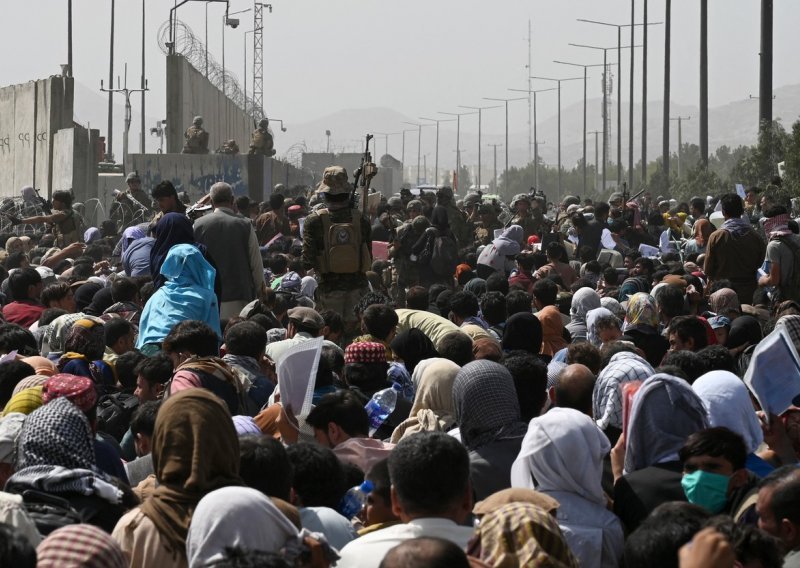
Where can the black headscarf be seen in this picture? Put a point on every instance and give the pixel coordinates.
(439, 218)
(172, 229)
(85, 293)
(413, 346)
(744, 329)
(523, 331)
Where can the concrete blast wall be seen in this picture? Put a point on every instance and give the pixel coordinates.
(30, 116)
(75, 161)
(254, 176)
(190, 94)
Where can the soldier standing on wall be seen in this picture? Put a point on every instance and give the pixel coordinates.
(261, 142)
(337, 244)
(196, 138)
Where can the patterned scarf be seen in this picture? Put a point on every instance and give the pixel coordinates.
(736, 226)
(777, 226)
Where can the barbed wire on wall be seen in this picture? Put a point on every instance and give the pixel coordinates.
(193, 50)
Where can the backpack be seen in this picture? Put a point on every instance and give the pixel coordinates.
(50, 512)
(114, 412)
(445, 255)
(344, 248)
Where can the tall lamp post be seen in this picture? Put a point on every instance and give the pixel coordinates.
(494, 146)
(458, 116)
(585, 67)
(437, 121)
(386, 140)
(403, 158)
(558, 81)
(506, 101)
(535, 132)
(480, 114)
(419, 146)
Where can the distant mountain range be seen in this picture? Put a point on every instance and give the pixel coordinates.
(733, 124)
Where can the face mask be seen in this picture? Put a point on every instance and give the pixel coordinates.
(708, 490)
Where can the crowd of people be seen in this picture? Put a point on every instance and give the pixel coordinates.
(506, 385)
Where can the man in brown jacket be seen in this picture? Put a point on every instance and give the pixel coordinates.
(735, 251)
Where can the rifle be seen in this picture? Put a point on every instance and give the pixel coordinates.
(364, 174)
(45, 204)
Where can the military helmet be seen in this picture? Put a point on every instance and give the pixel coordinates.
(334, 181)
(520, 197)
(414, 205)
(263, 123)
(445, 193)
(395, 203)
(615, 197)
(472, 199)
(133, 176)
(570, 200)
(198, 120)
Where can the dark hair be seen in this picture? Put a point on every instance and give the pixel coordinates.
(115, 328)
(343, 409)
(369, 299)
(545, 291)
(318, 478)
(670, 301)
(124, 290)
(732, 205)
(578, 220)
(276, 201)
(493, 307)
(193, 336)
(49, 315)
(427, 551)
(497, 282)
(156, 369)
(15, 548)
(380, 321)
(143, 420)
(556, 251)
(64, 197)
(656, 542)
(20, 280)
(692, 364)
(443, 302)
(525, 261)
(717, 358)
(125, 368)
(54, 292)
(333, 320)
(164, 189)
(429, 472)
(13, 336)
(785, 485)
(698, 203)
(464, 304)
(278, 263)
(381, 483)
(690, 327)
(243, 205)
(585, 354)
(749, 543)
(611, 349)
(776, 210)
(417, 298)
(237, 557)
(246, 338)
(645, 263)
(11, 373)
(718, 442)
(602, 208)
(456, 346)
(264, 465)
(518, 301)
(530, 382)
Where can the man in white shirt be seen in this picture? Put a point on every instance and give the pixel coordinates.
(431, 493)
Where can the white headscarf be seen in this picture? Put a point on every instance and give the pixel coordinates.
(728, 404)
(591, 319)
(236, 517)
(607, 396)
(563, 450)
(506, 245)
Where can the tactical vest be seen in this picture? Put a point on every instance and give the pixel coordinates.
(344, 250)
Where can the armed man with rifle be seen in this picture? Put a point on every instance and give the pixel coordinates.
(337, 241)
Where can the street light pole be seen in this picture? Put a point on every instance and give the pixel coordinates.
(680, 120)
(386, 140)
(596, 157)
(506, 101)
(494, 146)
(458, 116)
(584, 109)
(630, 106)
(535, 132)
(558, 81)
(480, 112)
(437, 121)
(619, 91)
(403, 158)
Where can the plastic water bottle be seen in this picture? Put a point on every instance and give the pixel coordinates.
(354, 500)
(380, 406)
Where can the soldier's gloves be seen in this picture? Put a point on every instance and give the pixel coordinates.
(370, 170)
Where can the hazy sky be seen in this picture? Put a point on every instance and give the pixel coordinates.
(416, 57)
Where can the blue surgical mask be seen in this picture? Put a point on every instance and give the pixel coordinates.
(708, 490)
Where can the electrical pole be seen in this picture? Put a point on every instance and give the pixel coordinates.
(535, 132)
(458, 116)
(704, 83)
(765, 71)
(143, 82)
(69, 37)
(127, 93)
(437, 121)
(506, 101)
(665, 119)
(630, 104)
(644, 95)
(680, 120)
(529, 96)
(110, 141)
(596, 158)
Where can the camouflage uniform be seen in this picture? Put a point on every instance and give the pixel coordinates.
(196, 138)
(533, 220)
(484, 233)
(230, 148)
(338, 292)
(463, 230)
(261, 142)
